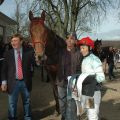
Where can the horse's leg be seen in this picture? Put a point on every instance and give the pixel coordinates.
(52, 77)
(46, 73)
(55, 92)
(42, 71)
(48, 79)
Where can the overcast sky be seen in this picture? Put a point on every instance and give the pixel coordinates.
(109, 28)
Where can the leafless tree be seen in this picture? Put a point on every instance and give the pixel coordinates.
(65, 16)
(21, 17)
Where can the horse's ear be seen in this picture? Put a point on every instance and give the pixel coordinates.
(30, 15)
(43, 15)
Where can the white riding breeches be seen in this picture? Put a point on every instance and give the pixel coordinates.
(93, 114)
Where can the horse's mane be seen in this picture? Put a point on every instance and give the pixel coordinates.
(54, 45)
(55, 39)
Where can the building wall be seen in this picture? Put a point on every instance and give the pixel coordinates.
(5, 23)
(3, 35)
(113, 43)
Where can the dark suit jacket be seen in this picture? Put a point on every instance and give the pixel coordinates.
(9, 69)
(73, 63)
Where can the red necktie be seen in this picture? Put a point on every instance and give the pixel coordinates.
(19, 71)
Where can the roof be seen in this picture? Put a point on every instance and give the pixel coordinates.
(7, 19)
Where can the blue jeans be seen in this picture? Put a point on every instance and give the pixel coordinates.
(67, 107)
(71, 110)
(20, 87)
(62, 97)
(110, 70)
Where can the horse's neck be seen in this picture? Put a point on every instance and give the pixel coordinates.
(54, 45)
(51, 49)
(52, 54)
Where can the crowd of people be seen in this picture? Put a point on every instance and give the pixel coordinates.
(79, 77)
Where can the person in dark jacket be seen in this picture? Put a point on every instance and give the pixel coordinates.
(17, 69)
(110, 61)
(69, 61)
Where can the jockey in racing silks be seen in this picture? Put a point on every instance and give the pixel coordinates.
(91, 65)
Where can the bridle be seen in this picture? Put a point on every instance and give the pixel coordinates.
(42, 43)
(37, 42)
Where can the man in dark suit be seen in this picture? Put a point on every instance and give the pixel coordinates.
(16, 76)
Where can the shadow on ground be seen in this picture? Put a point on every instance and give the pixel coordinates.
(38, 115)
(110, 110)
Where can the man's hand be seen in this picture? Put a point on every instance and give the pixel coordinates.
(4, 87)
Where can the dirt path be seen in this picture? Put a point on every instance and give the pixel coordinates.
(42, 100)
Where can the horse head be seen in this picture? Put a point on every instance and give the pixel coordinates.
(97, 47)
(98, 43)
(38, 33)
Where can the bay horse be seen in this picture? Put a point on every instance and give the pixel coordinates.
(47, 45)
(100, 51)
(97, 48)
